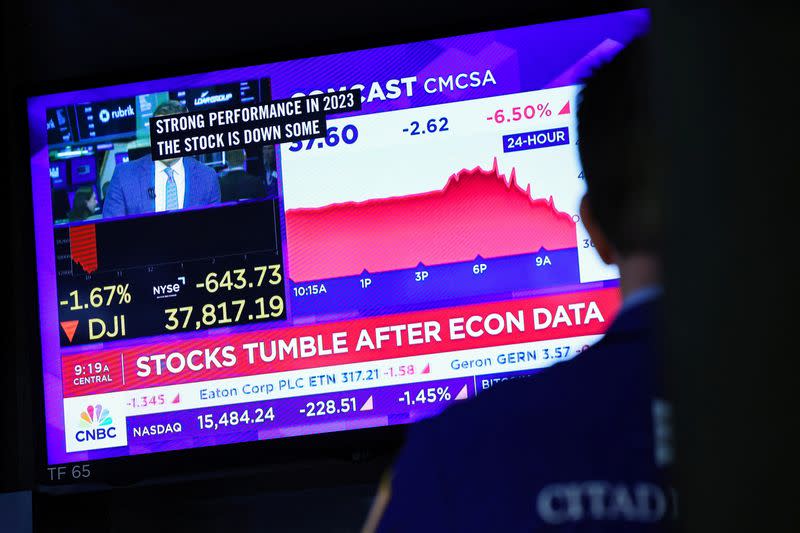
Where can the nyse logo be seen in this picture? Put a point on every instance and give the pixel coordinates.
(169, 290)
(97, 425)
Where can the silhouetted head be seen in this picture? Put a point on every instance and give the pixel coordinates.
(170, 107)
(235, 158)
(622, 207)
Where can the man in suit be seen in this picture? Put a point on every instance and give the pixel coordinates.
(236, 183)
(584, 445)
(147, 186)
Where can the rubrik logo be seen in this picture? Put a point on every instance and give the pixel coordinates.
(120, 112)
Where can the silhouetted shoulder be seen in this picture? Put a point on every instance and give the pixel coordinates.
(589, 418)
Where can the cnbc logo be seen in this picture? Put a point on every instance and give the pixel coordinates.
(96, 424)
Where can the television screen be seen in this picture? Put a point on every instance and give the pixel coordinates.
(416, 251)
(60, 126)
(83, 170)
(219, 95)
(110, 118)
(146, 105)
(58, 174)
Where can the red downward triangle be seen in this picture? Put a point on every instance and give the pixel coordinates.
(565, 109)
(69, 327)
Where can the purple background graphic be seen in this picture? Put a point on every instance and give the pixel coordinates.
(521, 59)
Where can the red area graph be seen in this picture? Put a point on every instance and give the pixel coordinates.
(478, 212)
(83, 246)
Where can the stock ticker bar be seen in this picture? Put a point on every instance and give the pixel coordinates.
(267, 419)
(169, 274)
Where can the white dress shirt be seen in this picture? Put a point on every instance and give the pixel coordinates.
(161, 184)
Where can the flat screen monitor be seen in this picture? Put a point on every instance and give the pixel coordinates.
(146, 105)
(220, 96)
(58, 174)
(60, 125)
(83, 170)
(417, 252)
(106, 119)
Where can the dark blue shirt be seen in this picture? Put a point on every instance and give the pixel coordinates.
(584, 445)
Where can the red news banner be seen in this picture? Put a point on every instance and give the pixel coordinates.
(369, 339)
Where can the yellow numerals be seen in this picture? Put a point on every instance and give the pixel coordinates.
(233, 312)
(172, 317)
(275, 307)
(275, 274)
(237, 279)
